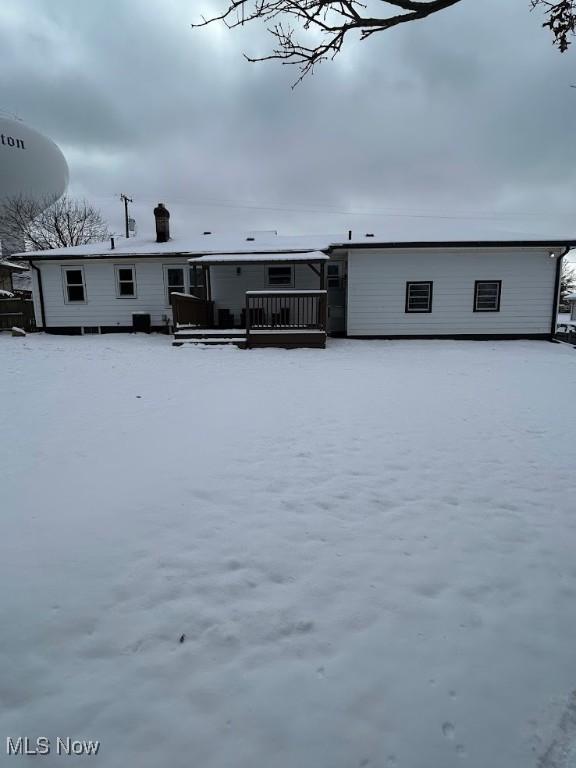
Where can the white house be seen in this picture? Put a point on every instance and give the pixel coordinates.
(270, 289)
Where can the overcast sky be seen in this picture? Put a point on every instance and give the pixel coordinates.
(468, 114)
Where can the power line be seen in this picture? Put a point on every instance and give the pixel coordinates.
(328, 209)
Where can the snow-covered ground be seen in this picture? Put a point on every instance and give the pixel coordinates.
(369, 552)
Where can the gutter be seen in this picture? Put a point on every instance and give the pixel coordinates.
(40, 294)
(356, 245)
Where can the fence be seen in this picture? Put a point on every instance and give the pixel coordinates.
(17, 312)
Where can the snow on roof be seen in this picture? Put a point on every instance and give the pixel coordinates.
(570, 297)
(193, 245)
(271, 256)
(403, 232)
(11, 265)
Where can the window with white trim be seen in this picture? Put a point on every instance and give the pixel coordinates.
(419, 297)
(74, 285)
(487, 295)
(174, 281)
(125, 282)
(283, 275)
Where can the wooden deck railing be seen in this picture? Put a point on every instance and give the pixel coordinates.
(190, 310)
(286, 311)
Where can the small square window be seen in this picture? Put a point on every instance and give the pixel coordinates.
(487, 295)
(418, 297)
(280, 275)
(126, 282)
(74, 287)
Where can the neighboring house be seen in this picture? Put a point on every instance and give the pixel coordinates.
(15, 309)
(571, 299)
(8, 270)
(293, 290)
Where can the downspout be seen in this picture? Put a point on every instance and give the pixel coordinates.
(556, 298)
(40, 294)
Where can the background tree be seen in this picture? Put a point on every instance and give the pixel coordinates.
(52, 223)
(567, 284)
(334, 19)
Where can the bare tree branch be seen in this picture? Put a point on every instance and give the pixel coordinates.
(334, 19)
(561, 20)
(51, 223)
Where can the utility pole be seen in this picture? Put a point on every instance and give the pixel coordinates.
(126, 200)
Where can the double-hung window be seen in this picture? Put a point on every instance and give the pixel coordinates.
(487, 295)
(125, 282)
(74, 285)
(280, 275)
(174, 281)
(419, 297)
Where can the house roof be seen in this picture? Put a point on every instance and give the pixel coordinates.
(290, 257)
(12, 266)
(191, 245)
(404, 234)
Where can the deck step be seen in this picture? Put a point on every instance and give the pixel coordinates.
(209, 341)
(216, 334)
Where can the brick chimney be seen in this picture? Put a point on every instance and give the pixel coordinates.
(162, 216)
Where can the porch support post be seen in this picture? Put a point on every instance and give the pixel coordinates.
(323, 276)
(208, 282)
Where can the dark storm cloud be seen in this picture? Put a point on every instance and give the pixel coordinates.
(470, 111)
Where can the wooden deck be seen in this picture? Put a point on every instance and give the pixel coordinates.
(286, 319)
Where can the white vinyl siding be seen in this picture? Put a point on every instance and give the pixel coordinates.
(377, 291)
(102, 307)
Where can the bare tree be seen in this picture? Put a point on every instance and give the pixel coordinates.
(334, 19)
(52, 223)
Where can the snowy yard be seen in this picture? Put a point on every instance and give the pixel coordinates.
(369, 550)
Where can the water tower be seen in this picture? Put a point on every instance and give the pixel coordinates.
(31, 166)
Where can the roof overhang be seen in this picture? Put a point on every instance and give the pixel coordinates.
(12, 266)
(279, 257)
(552, 243)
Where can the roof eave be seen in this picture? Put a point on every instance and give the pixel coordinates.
(455, 244)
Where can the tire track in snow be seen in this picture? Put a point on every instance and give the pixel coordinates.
(562, 751)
